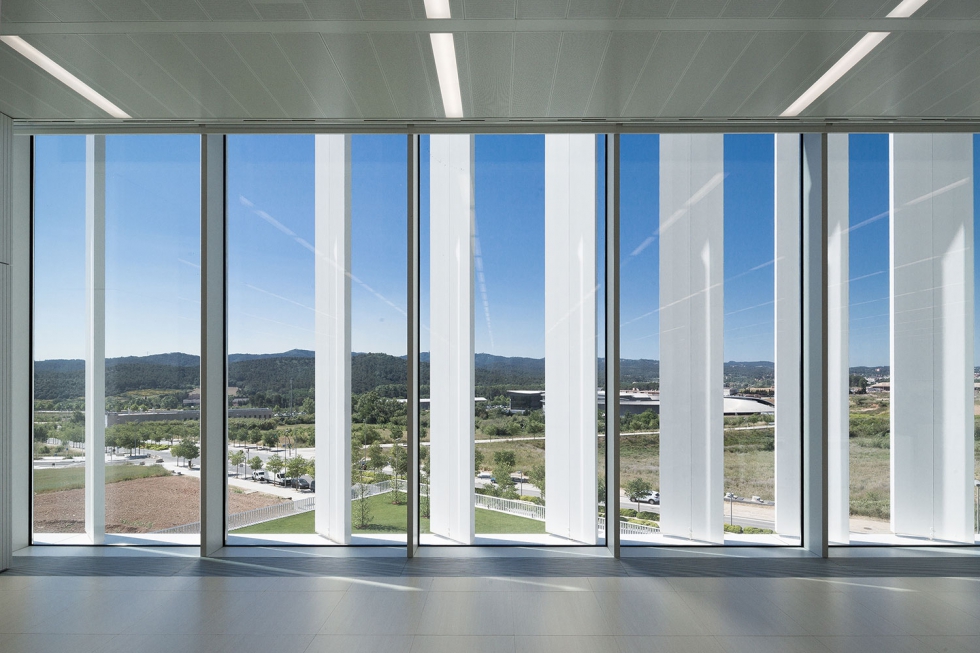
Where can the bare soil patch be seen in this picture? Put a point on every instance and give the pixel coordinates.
(138, 506)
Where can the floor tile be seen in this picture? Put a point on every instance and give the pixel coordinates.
(648, 644)
(376, 613)
(649, 613)
(565, 644)
(169, 643)
(550, 613)
(836, 613)
(467, 613)
(464, 644)
(877, 644)
(951, 644)
(630, 584)
(54, 643)
(771, 645)
(361, 644)
(747, 614)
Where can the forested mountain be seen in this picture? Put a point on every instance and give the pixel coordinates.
(266, 378)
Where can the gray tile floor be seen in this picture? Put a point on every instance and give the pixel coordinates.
(474, 602)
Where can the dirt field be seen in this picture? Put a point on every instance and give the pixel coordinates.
(138, 506)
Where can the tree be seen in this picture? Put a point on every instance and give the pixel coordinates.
(270, 439)
(477, 460)
(275, 464)
(309, 406)
(508, 458)
(191, 451)
(255, 463)
(636, 488)
(503, 466)
(536, 477)
(377, 459)
(296, 467)
(399, 465)
(237, 459)
(254, 436)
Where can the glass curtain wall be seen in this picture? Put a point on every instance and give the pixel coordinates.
(316, 322)
(509, 342)
(116, 339)
(903, 299)
(706, 329)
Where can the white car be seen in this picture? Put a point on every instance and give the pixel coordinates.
(652, 497)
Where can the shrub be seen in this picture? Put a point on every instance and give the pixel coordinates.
(652, 516)
(733, 528)
(627, 512)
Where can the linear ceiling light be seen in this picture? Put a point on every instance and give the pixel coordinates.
(45, 63)
(437, 9)
(860, 50)
(444, 52)
(906, 8)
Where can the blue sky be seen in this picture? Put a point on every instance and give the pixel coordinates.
(153, 245)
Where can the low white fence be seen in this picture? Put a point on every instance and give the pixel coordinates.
(629, 528)
(254, 516)
(510, 506)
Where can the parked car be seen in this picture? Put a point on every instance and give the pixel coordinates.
(258, 475)
(281, 479)
(652, 497)
(301, 483)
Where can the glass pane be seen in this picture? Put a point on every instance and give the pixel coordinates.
(279, 300)
(149, 328)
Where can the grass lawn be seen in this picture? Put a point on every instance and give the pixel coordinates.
(389, 518)
(73, 478)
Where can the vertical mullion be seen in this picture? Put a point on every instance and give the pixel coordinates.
(214, 354)
(6, 319)
(95, 338)
(412, 350)
(612, 343)
(815, 346)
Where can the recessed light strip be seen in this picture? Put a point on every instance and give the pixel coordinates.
(860, 50)
(906, 8)
(435, 9)
(42, 60)
(444, 52)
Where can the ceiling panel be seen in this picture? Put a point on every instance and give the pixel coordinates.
(578, 63)
(407, 70)
(229, 9)
(281, 10)
(860, 8)
(358, 64)
(750, 8)
(950, 9)
(708, 67)
(316, 68)
(621, 67)
(128, 55)
(805, 63)
(27, 88)
(491, 56)
(965, 101)
(535, 61)
(646, 8)
(594, 8)
(177, 9)
(477, 9)
(670, 58)
(542, 8)
(26, 11)
(802, 8)
(171, 54)
(70, 10)
(333, 9)
(872, 82)
(266, 61)
(102, 74)
(386, 9)
(765, 51)
(223, 63)
(935, 76)
(125, 10)
(698, 8)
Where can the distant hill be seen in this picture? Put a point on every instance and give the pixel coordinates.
(267, 377)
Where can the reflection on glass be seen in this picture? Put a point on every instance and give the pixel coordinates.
(295, 204)
(144, 250)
